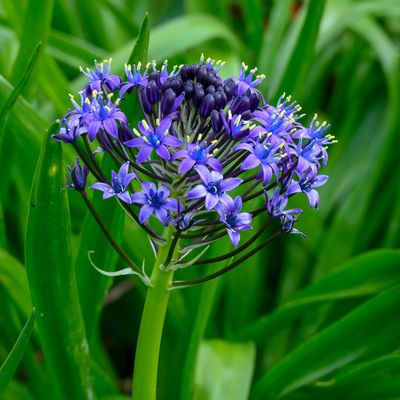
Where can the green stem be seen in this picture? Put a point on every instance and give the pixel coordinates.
(151, 327)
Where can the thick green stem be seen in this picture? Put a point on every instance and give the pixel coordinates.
(151, 327)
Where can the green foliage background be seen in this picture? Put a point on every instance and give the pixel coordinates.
(302, 320)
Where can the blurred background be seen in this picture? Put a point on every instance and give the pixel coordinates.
(339, 58)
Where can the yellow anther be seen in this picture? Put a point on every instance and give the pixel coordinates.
(117, 101)
(136, 132)
(229, 114)
(282, 113)
(148, 65)
(260, 76)
(80, 92)
(282, 145)
(238, 118)
(315, 116)
(200, 136)
(157, 121)
(87, 69)
(145, 124)
(215, 150)
(80, 69)
(214, 141)
(87, 101)
(252, 126)
(93, 108)
(254, 70)
(188, 138)
(107, 108)
(289, 97)
(324, 124)
(111, 94)
(95, 92)
(71, 95)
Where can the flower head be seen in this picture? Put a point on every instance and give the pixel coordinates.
(234, 220)
(119, 184)
(78, 176)
(154, 139)
(213, 187)
(155, 201)
(100, 78)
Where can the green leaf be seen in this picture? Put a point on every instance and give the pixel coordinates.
(297, 65)
(355, 336)
(13, 279)
(36, 29)
(373, 380)
(52, 279)
(8, 105)
(141, 47)
(9, 366)
(364, 275)
(224, 370)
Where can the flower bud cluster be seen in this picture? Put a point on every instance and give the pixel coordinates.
(208, 155)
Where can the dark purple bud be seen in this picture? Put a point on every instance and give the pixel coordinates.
(220, 99)
(78, 176)
(202, 74)
(153, 92)
(229, 88)
(185, 73)
(216, 122)
(254, 101)
(154, 76)
(207, 105)
(124, 133)
(198, 94)
(176, 84)
(193, 71)
(240, 105)
(167, 101)
(188, 89)
(246, 115)
(147, 107)
(210, 89)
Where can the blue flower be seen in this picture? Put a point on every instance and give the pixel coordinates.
(153, 139)
(104, 116)
(263, 153)
(135, 78)
(155, 201)
(234, 220)
(78, 176)
(308, 181)
(101, 78)
(119, 184)
(196, 154)
(69, 134)
(234, 125)
(213, 188)
(246, 82)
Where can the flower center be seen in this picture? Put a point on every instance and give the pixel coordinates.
(214, 188)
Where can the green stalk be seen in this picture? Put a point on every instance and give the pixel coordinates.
(151, 328)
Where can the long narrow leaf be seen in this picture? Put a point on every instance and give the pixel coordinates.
(11, 363)
(52, 279)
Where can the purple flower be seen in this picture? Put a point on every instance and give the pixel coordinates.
(196, 154)
(135, 78)
(104, 116)
(119, 184)
(155, 201)
(234, 220)
(100, 78)
(245, 83)
(80, 112)
(69, 134)
(78, 176)
(157, 139)
(276, 208)
(262, 153)
(213, 188)
(308, 181)
(234, 126)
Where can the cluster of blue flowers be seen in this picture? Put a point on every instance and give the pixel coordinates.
(205, 147)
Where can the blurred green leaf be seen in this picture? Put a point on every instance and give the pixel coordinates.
(373, 380)
(36, 29)
(343, 342)
(23, 79)
(52, 279)
(297, 65)
(141, 47)
(10, 365)
(224, 370)
(364, 275)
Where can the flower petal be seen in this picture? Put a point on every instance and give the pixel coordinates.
(162, 215)
(144, 154)
(211, 201)
(145, 213)
(138, 198)
(197, 192)
(186, 165)
(230, 184)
